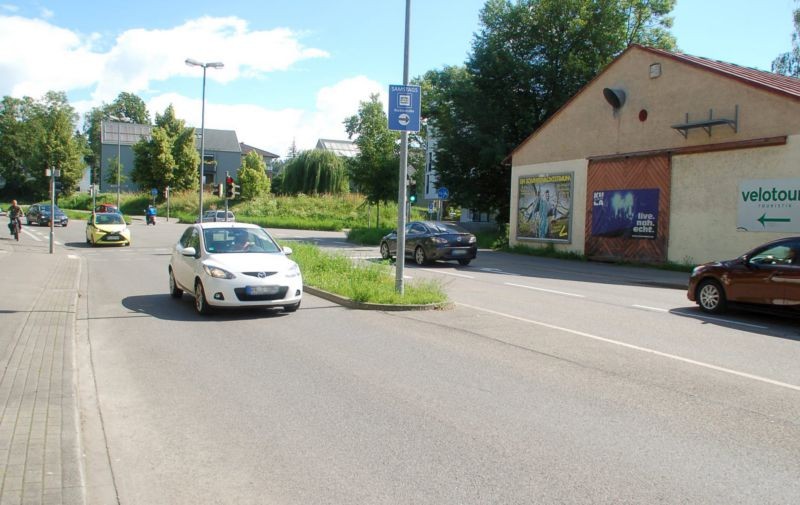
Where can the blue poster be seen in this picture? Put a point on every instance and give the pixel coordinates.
(625, 213)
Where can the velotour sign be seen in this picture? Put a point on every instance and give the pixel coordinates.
(769, 205)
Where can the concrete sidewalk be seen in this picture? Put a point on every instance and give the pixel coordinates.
(40, 448)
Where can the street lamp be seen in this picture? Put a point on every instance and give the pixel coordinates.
(215, 64)
(119, 121)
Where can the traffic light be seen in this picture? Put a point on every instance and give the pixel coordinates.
(229, 191)
(412, 192)
(235, 191)
(220, 190)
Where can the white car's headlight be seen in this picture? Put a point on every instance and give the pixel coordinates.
(293, 271)
(217, 272)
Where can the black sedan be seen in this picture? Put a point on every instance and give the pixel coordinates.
(428, 241)
(39, 213)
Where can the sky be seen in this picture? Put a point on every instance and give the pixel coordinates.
(293, 70)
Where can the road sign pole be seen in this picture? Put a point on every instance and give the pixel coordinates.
(401, 191)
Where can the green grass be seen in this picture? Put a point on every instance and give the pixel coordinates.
(361, 282)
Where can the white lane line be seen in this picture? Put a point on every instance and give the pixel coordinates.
(639, 348)
(645, 307)
(448, 273)
(543, 289)
(31, 235)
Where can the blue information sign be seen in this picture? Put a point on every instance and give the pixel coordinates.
(404, 108)
(154, 192)
(443, 193)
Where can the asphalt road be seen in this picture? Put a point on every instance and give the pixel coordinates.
(550, 382)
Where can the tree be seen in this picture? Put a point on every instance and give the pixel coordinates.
(315, 171)
(374, 170)
(789, 63)
(253, 176)
(169, 158)
(527, 60)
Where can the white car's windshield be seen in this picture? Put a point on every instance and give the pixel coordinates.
(238, 240)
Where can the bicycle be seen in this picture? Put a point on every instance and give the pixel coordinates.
(14, 225)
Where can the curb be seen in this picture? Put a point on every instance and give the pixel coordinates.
(352, 304)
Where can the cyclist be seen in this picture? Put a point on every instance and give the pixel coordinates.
(14, 214)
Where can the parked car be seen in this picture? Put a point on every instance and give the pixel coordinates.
(215, 216)
(106, 207)
(234, 265)
(766, 277)
(428, 241)
(39, 213)
(107, 228)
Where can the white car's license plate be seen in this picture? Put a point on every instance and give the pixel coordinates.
(261, 290)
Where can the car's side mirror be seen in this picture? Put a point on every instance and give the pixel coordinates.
(189, 252)
(286, 250)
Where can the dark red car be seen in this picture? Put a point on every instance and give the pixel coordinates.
(766, 277)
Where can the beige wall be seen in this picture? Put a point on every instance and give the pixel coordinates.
(705, 187)
(589, 127)
(578, 229)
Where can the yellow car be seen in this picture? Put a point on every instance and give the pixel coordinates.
(107, 228)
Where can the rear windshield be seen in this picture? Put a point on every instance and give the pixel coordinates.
(446, 228)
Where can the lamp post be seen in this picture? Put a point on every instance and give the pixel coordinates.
(213, 64)
(119, 121)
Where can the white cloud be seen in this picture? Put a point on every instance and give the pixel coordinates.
(275, 130)
(52, 58)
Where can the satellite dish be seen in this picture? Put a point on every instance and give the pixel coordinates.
(615, 97)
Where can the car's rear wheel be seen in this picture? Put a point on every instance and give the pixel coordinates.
(291, 308)
(419, 256)
(174, 290)
(200, 303)
(464, 262)
(710, 297)
(385, 254)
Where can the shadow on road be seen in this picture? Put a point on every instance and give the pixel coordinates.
(163, 306)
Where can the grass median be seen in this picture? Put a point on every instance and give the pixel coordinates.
(361, 281)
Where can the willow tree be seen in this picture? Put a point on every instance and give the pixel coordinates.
(316, 171)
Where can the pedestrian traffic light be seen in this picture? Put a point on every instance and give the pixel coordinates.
(229, 187)
(412, 192)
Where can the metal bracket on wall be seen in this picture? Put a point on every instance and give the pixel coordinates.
(707, 124)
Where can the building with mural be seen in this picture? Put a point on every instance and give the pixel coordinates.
(663, 157)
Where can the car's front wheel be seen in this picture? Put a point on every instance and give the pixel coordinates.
(174, 290)
(385, 254)
(200, 303)
(710, 297)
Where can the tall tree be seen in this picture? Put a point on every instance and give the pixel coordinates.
(169, 158)
(528, 58)
(789, 63)
(125, 106)
(253, 176)
(374, 170)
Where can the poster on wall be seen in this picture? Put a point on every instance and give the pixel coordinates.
(544, 207)
(625, 213)
(769, 205)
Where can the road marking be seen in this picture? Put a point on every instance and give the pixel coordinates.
(645, 307)
(543, 289)
(638, 348)
(448, 273)
(31, 235)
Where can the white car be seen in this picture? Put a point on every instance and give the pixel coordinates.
(234, 265)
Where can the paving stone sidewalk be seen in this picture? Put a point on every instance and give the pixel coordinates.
(39, 436)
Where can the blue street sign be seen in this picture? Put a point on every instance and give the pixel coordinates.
(404, 108)
(154, 192)
(443, 193)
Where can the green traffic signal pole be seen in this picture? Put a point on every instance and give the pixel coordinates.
(401, 191)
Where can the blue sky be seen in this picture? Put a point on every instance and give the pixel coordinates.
(293, 70)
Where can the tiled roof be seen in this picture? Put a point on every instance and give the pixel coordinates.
(219, 140)
(782, 84)
(246, 149)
